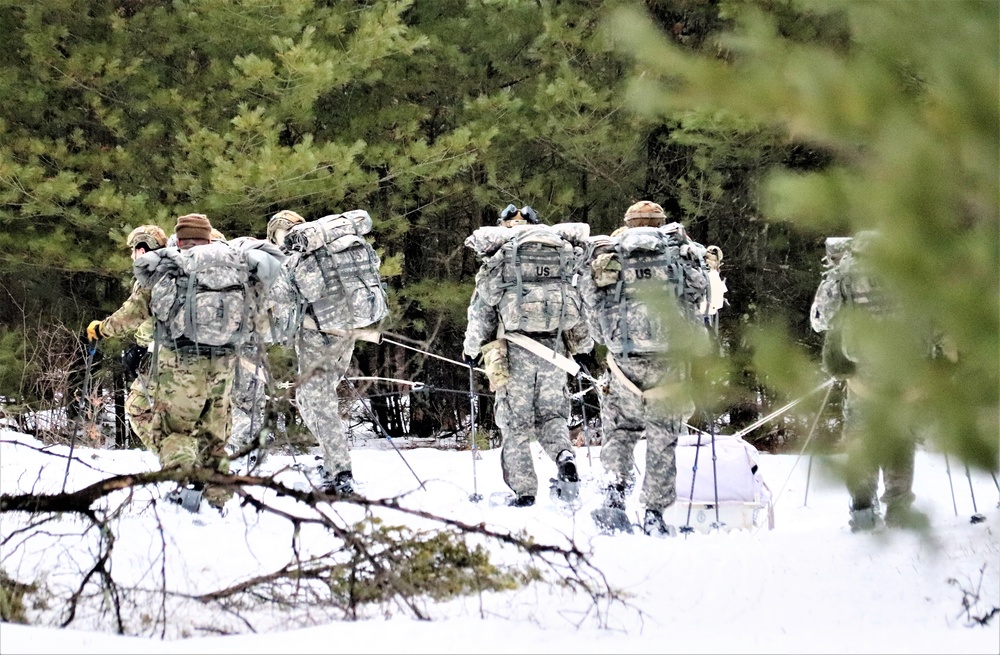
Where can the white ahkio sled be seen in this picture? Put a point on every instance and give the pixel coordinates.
(733, 496)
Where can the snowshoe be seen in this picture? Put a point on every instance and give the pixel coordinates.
(612, 520)
(565, 491)
(565, 487)
(866, 520)
(341, 484)
(508, 499)
(654, 526)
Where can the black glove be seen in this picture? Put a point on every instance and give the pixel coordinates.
(469, 360)
(132, 359)
(587, 361)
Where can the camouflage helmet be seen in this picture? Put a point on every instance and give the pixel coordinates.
(645, 213)
(150, 237)
(282, 222)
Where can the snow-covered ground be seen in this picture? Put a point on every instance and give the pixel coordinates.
(806, 586)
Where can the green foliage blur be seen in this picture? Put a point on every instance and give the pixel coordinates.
(907, 103)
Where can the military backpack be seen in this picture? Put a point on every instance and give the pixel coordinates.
(536, 270)
(632, 270)
(200, 296)
(336, 272)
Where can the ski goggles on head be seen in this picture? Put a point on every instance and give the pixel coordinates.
(510, 212)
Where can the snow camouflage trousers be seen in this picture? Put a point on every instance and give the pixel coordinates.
(322, 361)
(249, 398)
(864, 460)
(191, 421)
(627, 419)
(534, 403)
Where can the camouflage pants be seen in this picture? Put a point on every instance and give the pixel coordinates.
(323, 360)
(191, 410)
(894, 457)
(626, 419)
(534, 403)
(139, 412)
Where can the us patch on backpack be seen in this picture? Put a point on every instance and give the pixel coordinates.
(201, 295)
(336, 271)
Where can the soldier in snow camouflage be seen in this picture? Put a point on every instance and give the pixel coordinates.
(190, 419)
(323, 359)
(849, 286)
(534, 402)
(644, 396)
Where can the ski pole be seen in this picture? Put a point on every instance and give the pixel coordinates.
(378, 424)
(88, 359)
(475, 497)
(976, 516)
(694, 473)
(583, 412)
(826, 398)
(715, 479)
(947, 468)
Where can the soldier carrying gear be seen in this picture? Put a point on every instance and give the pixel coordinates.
(850, 303)
(190, 392)
(526, 294)
(335, 274)
(279, 225)
(645, 213)
(647, 353)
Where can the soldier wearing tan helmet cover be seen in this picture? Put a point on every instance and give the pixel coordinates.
(279, 225)
(138, 412)
(629, 411)
(190, 418)
(323, 360)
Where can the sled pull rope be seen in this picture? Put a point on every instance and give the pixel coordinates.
(829, 387)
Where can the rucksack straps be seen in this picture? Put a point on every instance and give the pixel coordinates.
(541, 350)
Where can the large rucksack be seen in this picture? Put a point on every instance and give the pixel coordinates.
(536, 269)
(336, 271)
(200, 296)
(275, 304)
(828, 299)
(629, 271)
(847, 280)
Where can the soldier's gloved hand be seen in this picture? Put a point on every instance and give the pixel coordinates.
(469, 360)
(94, 331)
(586, 360)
